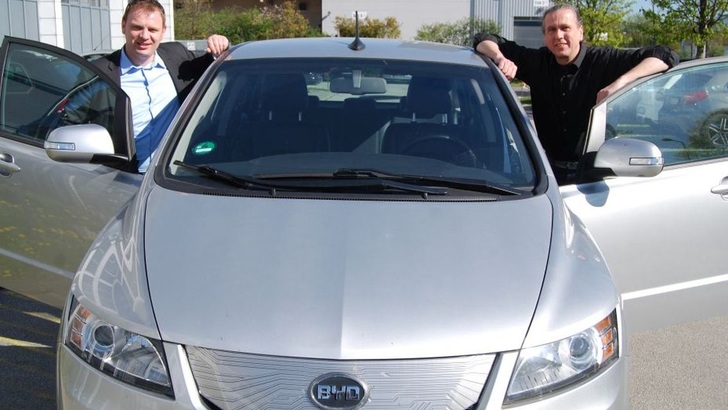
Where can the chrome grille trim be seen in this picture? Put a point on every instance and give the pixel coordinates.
(232, 380)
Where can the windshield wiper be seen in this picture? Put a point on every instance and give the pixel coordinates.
(376, 180)
(247, 182)
(464, 184)
(238, 181)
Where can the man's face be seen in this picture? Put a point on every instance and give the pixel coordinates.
(143, 30)
(562, 34)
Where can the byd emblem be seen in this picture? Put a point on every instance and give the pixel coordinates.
(338, 391)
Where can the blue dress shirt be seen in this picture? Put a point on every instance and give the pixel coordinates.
(154, 103)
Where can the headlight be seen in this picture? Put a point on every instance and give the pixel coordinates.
(121, 354)
(543, 369)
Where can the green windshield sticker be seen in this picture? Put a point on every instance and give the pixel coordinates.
(204, 148)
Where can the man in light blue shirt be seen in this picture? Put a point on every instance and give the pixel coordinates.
(154, 103)
(156, 76)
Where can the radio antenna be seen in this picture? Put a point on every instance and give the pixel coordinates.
(357, 44)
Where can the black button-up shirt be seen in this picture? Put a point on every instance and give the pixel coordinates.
(563, 96)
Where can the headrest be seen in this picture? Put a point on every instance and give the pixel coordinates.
(284, 93)
(359, 104)
(427, 97)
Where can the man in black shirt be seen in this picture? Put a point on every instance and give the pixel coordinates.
(567, 78)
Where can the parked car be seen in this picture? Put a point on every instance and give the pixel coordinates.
(683, 111)
(349, 242)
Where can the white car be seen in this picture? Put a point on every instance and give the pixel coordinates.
(347, 223)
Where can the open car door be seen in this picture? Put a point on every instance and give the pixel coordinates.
(51, 211)
(663, 236)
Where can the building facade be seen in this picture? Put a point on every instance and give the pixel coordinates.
(519, 19)
(92, 25)
(77, 25)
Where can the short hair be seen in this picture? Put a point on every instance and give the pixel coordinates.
(558, 7)
(146, 5)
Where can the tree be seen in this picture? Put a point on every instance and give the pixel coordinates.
(640, 31)
(602, 19)
(387, 28)
(698, 21)
(192, 17)
(288, 22)
(458, 33)
(194, 21)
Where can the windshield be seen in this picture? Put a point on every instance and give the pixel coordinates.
(310, 118)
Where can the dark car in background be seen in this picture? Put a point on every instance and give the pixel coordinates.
(683, 111)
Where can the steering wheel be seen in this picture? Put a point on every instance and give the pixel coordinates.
(442, 147)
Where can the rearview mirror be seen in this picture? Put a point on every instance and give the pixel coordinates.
(364, 85)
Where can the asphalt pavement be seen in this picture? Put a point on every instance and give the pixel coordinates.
(681, 367)
(28, 334)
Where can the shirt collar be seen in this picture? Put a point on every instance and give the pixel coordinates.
(572, 67)
(580, 57)
(125, 65)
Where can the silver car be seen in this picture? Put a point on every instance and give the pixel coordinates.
(340, 223)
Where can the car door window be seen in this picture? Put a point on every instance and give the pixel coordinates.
(684, 113)
(44, 90)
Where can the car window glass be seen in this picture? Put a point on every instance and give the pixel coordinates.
(43, 90)
(316, 116)
(685, 113)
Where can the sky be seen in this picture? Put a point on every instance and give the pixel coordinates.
(642, 4)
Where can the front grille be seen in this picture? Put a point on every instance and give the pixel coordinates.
(243, 381)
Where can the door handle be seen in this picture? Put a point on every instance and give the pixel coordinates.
(722, 188)
(7, 165)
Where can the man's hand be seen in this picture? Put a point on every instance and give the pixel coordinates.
(217, 44)
(491, 50)
(506, 66)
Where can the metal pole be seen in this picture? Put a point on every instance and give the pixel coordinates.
(472, 18)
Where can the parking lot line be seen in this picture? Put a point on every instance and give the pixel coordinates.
(6, 341)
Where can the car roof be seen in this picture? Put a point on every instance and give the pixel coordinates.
(374, 48)
(701, 61)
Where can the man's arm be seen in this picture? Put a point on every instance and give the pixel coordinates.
(490, 49)
(648, 66)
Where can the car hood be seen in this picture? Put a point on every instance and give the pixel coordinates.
(345, 279)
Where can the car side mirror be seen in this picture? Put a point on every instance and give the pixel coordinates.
(78, 143)
(86, 144)
(629, 157)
